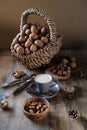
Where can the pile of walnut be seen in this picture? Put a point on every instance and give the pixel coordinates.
(64, 68)
(35, 107)
(31, 38)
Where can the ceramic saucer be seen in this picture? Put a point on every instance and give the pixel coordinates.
(33, 90)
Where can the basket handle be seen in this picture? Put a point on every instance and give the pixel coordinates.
(41, 13)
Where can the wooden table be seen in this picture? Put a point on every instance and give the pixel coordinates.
(59, 118)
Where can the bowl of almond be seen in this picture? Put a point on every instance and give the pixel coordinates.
(36, 108)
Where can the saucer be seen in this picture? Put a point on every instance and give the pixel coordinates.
(33, 90)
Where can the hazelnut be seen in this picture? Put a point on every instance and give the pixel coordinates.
(3, 104)
(18, 74)
(43, 30)
(16, 45)
(27, 32)
(20, 50)
(22, 38)
(44, 39)
(28, 43)
(33, 48)
(27, 51)
(33, 36)
(34, 29)
(25, 26)
(39, 43)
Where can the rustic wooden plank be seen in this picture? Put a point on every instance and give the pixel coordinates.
(58, 119)
(61, 107)
(14, 118)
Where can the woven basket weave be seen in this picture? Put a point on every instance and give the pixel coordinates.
(44, 55)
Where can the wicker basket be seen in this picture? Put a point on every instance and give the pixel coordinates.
(44, 55)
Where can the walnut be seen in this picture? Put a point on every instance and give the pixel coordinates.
(18, 74)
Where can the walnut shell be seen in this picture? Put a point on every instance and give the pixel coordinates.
(16, 45)
(34, 29)
(44, 39)
(20, 50)
(43, 30)
(27, 32)
(39, 43)
(33, 48)
(28, 43)
(25, 26)
(3, 104)
(27, 51)
(33, 36)
(22, 38)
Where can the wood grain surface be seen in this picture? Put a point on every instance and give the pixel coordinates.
(58, 118)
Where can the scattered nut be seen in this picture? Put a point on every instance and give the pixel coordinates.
(18, 74)
(3, 104)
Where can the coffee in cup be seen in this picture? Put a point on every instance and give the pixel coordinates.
(43, 81)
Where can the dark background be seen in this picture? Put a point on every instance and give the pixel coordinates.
(70, 17)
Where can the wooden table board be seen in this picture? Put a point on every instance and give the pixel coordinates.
(58, 119)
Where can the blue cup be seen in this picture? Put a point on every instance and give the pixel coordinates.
(43, 82)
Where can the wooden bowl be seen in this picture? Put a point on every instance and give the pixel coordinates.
(36, 108)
